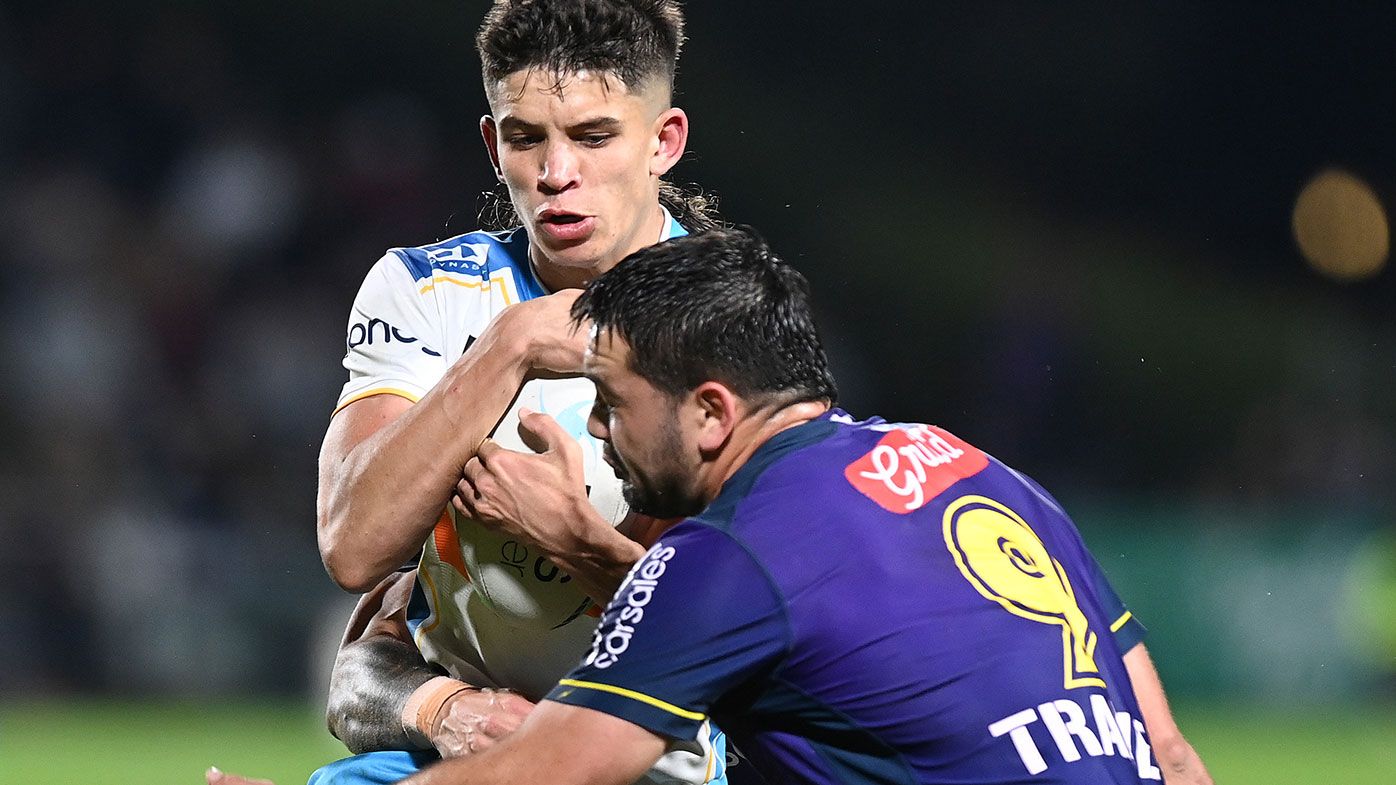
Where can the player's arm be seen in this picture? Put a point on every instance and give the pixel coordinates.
(376, 670)
(384, 696)
(558, 744)
(388, 467)
(1176, 758)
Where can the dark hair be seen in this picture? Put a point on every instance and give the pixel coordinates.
(717, 305)
(634, 39)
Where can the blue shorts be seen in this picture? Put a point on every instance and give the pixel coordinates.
(373, 768)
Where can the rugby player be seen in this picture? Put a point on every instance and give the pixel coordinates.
(442, 338)
(854, 601)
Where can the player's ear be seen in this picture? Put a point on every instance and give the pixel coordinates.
(717, 415)
(671, 139)
(490, 133)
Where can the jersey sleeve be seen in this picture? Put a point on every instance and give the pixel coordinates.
(695, 618)
(393, 341)
(1127, 629)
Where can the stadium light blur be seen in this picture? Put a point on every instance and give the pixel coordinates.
(1341, 226)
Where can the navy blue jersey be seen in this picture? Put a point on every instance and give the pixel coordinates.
(868, 602)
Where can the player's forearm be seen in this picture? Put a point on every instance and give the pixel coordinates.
(1179, 762)
(372, 681)
(600, 561)
(560, 745)
(379, 502)
(1176, 758)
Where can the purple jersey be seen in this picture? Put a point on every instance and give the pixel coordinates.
(868, 602)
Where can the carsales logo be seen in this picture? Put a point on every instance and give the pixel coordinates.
(612, 640)
(911, 464)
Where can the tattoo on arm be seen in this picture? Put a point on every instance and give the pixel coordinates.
(372, 680)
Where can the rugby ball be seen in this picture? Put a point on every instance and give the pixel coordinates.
(510, 576)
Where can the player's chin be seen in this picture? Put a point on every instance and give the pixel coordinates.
(657, 504)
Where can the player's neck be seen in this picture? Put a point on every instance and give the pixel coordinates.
(753, 431)
(556, 277)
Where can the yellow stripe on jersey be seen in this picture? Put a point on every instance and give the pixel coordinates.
(436, 279)
(376, 391)
(637, 696)
(1120, 622)
(500, 277)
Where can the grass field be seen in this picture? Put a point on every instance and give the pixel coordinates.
(111, 743)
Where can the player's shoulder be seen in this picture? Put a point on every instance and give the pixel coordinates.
(835, 465)
(473, 254)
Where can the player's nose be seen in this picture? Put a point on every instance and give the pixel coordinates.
(560, 170)
(596, 425)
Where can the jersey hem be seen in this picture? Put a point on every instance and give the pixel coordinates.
(636, 696)
(372, 391)
(650, 713)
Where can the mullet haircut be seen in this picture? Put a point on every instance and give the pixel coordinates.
(715, 306)
(634, 39)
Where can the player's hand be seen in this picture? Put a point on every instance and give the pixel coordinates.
(215, 777)
(539, 498)
(474, 720)
(554, 346)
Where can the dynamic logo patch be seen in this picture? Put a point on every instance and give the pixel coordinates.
(911, 464)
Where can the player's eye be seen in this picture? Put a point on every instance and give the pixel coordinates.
(595, 140)
(523, 141)
(601, 410)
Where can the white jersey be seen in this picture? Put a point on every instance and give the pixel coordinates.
(487, 609)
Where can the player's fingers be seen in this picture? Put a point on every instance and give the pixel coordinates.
(488, 447)
(463, 504)
(542, 433)
(514, 703)
(216, 777)
(472, 475)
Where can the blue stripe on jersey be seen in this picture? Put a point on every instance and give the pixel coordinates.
(417, 608)
(474, 253)
(672, 228)
(415, 260)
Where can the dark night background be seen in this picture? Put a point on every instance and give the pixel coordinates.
(1061, 231)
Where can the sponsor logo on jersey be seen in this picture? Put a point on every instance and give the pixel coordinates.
(911, 465)
(613, 636)
(1006, 562)
(1106, 732)
(515, 554)
(467, 257)
(377, 331)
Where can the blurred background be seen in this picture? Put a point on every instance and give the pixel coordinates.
(1140, 253)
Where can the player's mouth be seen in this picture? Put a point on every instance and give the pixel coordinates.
(564, 226)
(613, 461)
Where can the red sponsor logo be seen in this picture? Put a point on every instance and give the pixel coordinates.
(911, 465)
